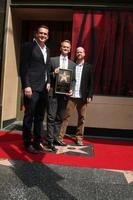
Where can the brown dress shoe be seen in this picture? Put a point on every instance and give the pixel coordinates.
(79, 142)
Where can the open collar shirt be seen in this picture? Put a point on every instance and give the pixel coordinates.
(44, 53)
(76, 92)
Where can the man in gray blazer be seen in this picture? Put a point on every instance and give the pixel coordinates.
(57, 102)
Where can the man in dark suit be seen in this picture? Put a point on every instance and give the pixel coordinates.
(82, 95)
(57, 102)
(34, 66)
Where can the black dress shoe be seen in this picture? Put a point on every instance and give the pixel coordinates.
(31, 149)
(59, 143)
(52, 147)
(42, 148)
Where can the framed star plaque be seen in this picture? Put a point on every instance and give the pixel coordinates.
(63, 81)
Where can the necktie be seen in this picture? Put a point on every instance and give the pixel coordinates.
(64, 63)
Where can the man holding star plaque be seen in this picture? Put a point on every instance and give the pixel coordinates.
(62, 77)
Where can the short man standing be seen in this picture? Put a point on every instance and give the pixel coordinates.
(34, 66)
(82, 95)
(57, 102)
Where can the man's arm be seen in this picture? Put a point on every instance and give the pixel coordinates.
(91, 82)
(73, 80)
(24, 65)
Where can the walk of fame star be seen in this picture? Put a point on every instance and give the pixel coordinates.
(70, 148)
(5, 162)
(127, 174)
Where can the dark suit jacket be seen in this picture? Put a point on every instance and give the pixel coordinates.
(32, 66)
(55, 63)
(86, 86)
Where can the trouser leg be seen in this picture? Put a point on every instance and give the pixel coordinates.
(51, 115)
(69, 110)
(81, 109)
(39, 117)
(30, 105)
(61, 108)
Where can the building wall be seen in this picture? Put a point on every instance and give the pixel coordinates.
(2, 22)
(103, 112)
(108, 112)
(10, 65)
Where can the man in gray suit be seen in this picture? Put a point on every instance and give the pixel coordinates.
(57, 102)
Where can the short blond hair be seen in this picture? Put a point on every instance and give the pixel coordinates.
(67, 41)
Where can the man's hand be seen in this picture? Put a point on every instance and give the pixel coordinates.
(48, 87)
(56, 71)
(70, 93)
(28, 92)
(89, 100)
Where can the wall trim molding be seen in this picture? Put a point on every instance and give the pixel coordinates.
(8, 122)
(79, 4)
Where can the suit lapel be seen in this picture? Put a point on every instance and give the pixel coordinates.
(47, 54)
(83, 72)
(57, 61)
(69, 65)
(39, 52)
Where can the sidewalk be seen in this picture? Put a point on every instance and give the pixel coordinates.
(21, 180)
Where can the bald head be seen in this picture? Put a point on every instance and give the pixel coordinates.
(80, 54)
(80, 49)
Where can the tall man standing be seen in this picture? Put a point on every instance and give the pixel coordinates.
(34, 66)
(57, 102)
(82, 95)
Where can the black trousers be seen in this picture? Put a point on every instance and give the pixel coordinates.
(33, 117)
(55, 113)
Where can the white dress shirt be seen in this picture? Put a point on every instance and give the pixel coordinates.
(78, 74)
(63, 62)
(44, 52)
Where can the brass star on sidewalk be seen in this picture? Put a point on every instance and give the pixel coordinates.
(5, 162)
(69, 148)
(127, 174)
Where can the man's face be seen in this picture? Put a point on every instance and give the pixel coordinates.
(80, 53)
(65, 48)
(42, 35)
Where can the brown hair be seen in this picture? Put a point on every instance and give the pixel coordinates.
(42, 26)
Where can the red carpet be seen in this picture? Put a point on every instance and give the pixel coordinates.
(108, 154)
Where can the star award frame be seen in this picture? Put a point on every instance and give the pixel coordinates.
(63, 81)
